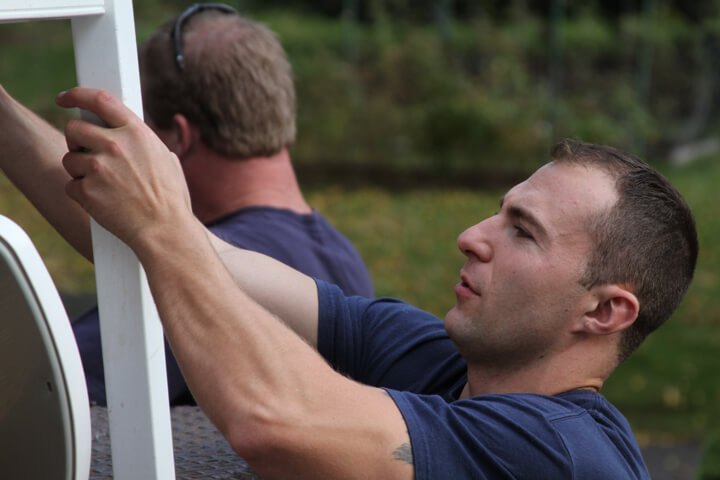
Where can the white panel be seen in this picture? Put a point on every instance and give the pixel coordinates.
(19, 10)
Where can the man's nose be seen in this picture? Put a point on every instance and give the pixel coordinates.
(475, 242)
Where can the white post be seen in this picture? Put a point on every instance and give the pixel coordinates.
(132, 339)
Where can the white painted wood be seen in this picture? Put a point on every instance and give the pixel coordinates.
(132, 339)
(21, 10)
(134, 357)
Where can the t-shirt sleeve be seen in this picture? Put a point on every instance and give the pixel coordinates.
(386, 343)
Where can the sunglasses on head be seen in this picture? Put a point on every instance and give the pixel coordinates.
(176, 33)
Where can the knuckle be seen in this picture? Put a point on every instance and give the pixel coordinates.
(135, 125)
(94, 166)
(72, 125)
(113, 148)
(103, 98)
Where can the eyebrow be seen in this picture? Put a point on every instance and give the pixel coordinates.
(520, 213)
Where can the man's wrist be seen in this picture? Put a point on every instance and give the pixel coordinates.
(157, 239)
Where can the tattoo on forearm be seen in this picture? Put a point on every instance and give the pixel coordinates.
(404, 454)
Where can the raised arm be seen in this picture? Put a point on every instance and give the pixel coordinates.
(285, 292)
(30, 155)
(277, 401)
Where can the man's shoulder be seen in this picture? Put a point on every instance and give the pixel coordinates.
(551, 407)
(256, 215)
(279, 229)
(566, 436)
(306, 242)
(551, 413)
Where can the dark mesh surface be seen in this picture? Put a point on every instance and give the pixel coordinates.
(200, 451)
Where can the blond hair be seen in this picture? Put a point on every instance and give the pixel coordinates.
(236, 87)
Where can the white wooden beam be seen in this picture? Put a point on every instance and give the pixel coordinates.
(132, 338)
(23, 10)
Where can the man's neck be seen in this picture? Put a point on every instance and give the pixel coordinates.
(552, 376)
(220, 185)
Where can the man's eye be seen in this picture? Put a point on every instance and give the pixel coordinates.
(522, 233)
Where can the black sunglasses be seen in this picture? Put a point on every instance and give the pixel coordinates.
(176, 33)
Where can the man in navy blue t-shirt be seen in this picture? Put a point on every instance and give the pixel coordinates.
(582, 261)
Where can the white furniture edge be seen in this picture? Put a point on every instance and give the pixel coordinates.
(61, 335)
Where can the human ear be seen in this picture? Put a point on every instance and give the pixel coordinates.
(183, 135)
(613, 309)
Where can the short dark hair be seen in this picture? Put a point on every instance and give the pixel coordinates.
(236, 87)
(647, 241)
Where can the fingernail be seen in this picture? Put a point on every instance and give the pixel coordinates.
(59, 97)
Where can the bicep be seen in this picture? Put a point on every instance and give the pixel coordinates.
(287, 293)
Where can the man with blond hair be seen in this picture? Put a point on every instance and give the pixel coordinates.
(218, 90)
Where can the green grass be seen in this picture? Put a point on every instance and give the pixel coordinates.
(709, 468)
(408, 239)
(37, 63)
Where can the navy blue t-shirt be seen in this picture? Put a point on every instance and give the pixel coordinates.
(307, 243)
(390, 344)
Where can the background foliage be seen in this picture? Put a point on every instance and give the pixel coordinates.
(415, 117)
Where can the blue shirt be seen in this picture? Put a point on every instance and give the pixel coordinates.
(307, 243)
(390, 344)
